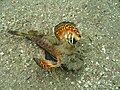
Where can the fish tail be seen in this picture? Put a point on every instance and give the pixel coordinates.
(17, 33)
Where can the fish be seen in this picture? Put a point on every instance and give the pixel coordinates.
(62, 54)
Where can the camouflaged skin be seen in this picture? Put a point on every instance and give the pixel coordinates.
(70, 57)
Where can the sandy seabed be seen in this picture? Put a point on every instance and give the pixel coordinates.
(98, 20)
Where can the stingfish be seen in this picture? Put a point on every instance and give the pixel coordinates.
(63, 54)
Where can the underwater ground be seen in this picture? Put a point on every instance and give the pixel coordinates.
(98, 20)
